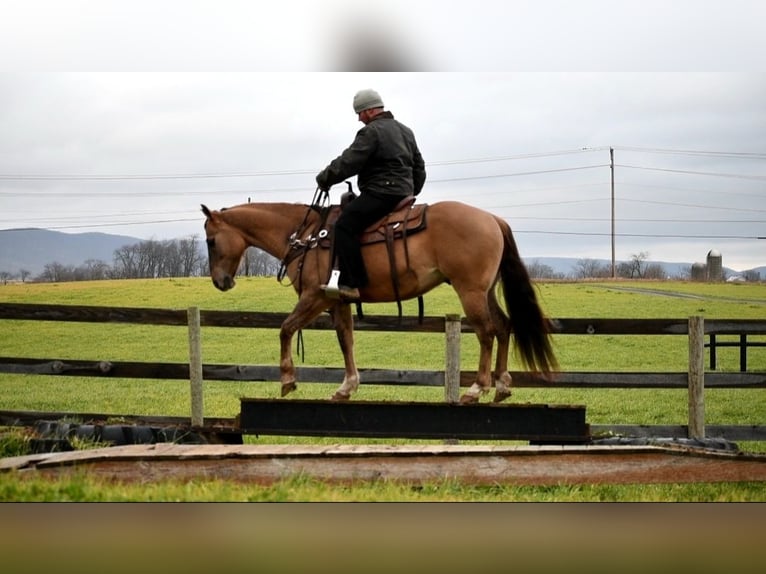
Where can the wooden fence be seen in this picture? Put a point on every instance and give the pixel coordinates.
(694, 328)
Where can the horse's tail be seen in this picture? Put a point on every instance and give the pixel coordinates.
(531, 329)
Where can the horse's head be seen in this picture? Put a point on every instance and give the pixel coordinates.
(225, 248)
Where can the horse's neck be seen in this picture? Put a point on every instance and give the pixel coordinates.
(268, 226)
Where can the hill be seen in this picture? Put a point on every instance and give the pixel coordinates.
(32, 249)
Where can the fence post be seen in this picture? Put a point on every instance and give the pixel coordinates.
(452, 326)
(195, 367)
(696, 377)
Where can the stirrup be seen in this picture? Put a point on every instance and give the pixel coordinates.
(331, 289)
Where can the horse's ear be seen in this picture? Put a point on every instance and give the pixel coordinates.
(205, 210)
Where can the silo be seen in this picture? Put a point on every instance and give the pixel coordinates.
(714, 266)
(699, 272)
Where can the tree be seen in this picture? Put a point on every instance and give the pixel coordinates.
(24, 273)
(589, 268)
(190, 256)
(539, 270)
(57, 272)
(635, 268)
(5, 276)
(93, 270)
(258, 263)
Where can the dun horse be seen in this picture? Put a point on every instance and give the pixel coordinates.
(470, 248)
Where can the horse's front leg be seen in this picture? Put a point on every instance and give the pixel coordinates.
(308, 308)
(343, 320)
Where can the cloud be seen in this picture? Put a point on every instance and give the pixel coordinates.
(220, 88)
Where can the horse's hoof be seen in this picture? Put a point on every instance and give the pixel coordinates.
(288, 388)
(501, 395)
(340, 397)
(468, 399)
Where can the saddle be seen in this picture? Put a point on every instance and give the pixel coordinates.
(405, 219)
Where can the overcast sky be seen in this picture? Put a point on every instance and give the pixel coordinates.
(122, 117)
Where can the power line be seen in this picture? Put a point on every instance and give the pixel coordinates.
(727, 193)
(638, 220)
(727, 154)
(292, 189)
(161, 176)
(513, 157)
(691, 172)
(746, 209)
(487, 159)
(645, 235)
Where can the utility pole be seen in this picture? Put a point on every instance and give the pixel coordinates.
(611, 166)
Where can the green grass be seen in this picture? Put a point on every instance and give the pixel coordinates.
(621, 299)
(84, 488)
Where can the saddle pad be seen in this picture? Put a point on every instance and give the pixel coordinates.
(411, 218)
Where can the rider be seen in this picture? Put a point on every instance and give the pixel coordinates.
(387, 161)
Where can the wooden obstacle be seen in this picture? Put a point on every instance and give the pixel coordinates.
(487, 465)
(550, 424)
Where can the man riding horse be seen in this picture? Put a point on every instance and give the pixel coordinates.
(385, 157)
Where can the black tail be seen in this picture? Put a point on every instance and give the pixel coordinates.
(531, 329)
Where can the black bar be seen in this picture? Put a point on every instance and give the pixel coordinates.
(373, 419)
(743, 353)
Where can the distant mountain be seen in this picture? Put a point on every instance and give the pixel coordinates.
(32, 249)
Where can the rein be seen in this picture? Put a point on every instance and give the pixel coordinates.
(297, 247)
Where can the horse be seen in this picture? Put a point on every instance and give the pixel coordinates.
(469, 248)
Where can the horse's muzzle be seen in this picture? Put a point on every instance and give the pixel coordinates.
(225, 285)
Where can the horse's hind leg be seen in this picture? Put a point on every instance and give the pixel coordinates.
(343, 321)
(475, 305)
(502, 323)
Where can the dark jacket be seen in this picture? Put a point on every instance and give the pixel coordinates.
(384, 156)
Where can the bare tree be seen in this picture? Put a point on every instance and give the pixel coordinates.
(539, 270)
(589, 268)
(57, 272)
(683, 274)
(170, 262)
(655, 271)
(5, 276)
(258, 263)
(190, 256)
(93, 270)
(23, 274)
(635, 268)
(125, 262)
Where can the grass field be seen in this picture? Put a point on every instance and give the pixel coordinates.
(374, 350)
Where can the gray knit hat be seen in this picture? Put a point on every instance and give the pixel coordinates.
(367, 99)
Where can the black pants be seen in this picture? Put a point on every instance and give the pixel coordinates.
(356, 217)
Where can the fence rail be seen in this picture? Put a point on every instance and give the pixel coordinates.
(451, 378)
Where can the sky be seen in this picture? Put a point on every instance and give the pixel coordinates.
(123, 117)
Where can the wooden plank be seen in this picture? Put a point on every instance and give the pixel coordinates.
(270, 373)
(559, 423)
(696, 391)
(466, 464)
(578, 326)
(249, 319)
